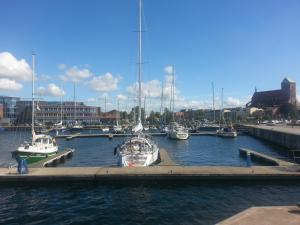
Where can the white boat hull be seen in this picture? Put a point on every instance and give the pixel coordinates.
(178, 135)
(138, 160)
(227, 134)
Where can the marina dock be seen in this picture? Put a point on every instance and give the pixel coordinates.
(256, 156)
(154, 173)
(165, 170)
(111, 135)
(286, 136)
(53, 160)
(276, 215)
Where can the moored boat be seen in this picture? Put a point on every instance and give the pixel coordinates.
(42, 145)
(139, 150)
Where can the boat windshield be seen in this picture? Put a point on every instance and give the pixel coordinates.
(43, 141)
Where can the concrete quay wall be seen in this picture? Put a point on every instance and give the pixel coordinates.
(283, 136)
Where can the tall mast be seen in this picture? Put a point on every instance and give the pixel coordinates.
(222, 107)
(32, 116)
(173, 93)
(213, 90)
(74, 90)
(173, 85)
(145, 110)
(140, 60)
(61, 109)
(105, 103)
(118, 113)
(161, 102)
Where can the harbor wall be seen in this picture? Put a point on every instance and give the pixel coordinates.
(290, 140)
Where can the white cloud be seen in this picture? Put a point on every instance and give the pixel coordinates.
(104, 83)
(62, 66)
(51, 90)
(121, 97)
(12, 68)
(90, 100)
(9, 85)
(232, 102)
(169, 70)
(149, 89)
(75, 75)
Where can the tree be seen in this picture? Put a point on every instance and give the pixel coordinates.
(134, 112)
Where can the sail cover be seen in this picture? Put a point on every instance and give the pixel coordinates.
(137, 128)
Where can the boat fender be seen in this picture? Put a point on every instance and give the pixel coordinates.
(115, 150)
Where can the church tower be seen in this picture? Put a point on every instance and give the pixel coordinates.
(288, 88)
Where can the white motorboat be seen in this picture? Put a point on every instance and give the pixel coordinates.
(227, 132)
(105, 129)
(176, 131)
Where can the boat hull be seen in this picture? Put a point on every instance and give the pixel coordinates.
(31, 157)
(227, 134)
(178, 136)
(137, 160)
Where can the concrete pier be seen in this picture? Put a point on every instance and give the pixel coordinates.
(154, 173)
(164, 159)
(287, 137)
(53, 160)
(165, 170)
(278, 215)
(111, 135)
(256, 156)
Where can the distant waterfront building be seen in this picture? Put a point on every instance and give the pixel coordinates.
(9, 109)
(275, 98)
(110, 117)
(1, 112)
(50, 112)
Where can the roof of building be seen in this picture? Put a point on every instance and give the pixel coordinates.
(267, 98)
(288, 79)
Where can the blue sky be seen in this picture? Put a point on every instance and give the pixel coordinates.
(236, 44)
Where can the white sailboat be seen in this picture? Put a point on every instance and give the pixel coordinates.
(59, 126)
(139, 150)
(225, 130)
(175, 131)
(42, 145)
(117, 128)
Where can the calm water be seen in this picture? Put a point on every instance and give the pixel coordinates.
(141, 203)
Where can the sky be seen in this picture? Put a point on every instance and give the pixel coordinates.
(237, 45)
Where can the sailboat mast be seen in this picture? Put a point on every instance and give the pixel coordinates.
(61, 109)
(32, 116)
(161, 102)
(222, 107)
(213, 90)
(74, 90)
(105, 104)
(140, 60)
(173, 93)
(118, 112)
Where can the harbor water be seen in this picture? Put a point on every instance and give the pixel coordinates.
(142, 203)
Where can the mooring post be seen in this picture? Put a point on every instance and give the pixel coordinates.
(248, 159)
